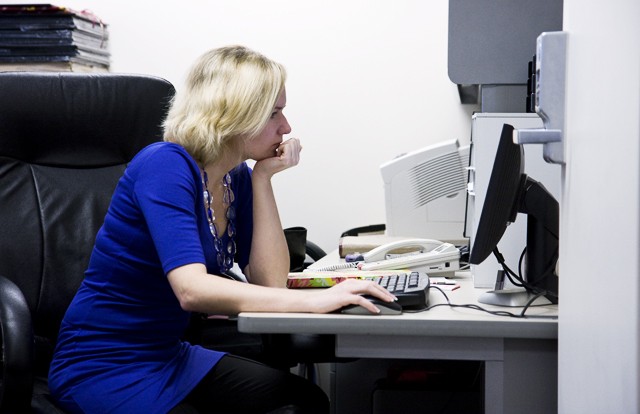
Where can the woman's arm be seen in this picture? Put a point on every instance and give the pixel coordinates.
(269, 259)
(198, 291)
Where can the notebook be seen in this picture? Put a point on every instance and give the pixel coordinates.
(324, 279)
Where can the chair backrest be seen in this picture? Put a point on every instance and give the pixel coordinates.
(65, 140)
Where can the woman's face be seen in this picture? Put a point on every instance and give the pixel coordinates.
(265, 144)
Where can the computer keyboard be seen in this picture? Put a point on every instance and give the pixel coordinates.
(411, 288)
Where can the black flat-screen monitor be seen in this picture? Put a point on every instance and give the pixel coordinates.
(510, 192)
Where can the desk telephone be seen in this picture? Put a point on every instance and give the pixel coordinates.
(430, 256)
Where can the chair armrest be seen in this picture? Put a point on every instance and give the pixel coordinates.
(314, 251)
(16, 384)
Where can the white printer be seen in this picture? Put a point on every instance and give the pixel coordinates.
(425, 193)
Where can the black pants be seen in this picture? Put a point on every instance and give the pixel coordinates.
(239, 385)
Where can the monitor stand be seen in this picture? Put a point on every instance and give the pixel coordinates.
(511, 298)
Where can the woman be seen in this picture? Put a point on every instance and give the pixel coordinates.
(182, 211)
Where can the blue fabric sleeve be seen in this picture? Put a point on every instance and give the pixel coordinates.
(167, 198)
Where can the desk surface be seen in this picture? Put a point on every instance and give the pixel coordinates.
(508, 346)
(438, 322)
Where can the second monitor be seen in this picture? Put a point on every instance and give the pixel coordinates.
(510, 192)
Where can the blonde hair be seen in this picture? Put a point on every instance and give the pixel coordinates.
(229, 92)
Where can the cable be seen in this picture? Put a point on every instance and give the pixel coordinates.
(514, 278)
(473, 306)
(518, 279)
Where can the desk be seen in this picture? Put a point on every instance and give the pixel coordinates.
(520, 355)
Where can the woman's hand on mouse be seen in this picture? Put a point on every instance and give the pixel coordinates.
(347, 293)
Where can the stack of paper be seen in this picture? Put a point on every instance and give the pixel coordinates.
(47, 37)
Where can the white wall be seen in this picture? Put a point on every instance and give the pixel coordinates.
(599, 331)
(367, 81)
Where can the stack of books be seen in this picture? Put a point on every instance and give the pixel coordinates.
(52, 38)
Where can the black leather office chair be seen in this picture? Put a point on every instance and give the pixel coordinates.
(65, 140)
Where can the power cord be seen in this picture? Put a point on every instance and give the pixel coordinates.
(515, 279)
(518, 279)
(473, 306)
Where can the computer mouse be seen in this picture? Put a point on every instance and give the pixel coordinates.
(386, 308)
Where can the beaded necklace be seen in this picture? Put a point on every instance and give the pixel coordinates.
(224, 254)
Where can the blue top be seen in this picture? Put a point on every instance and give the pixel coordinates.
(120, 348)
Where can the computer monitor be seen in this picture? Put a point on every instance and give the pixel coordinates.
(510, 192)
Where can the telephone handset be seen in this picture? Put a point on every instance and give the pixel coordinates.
(385, 251)
(436, 257)
(431, 256)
